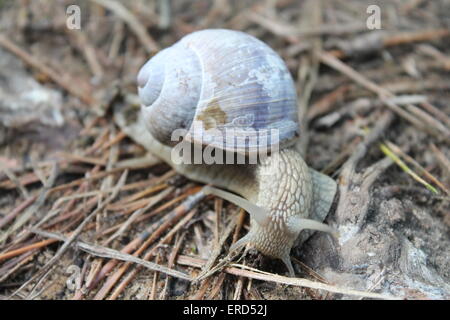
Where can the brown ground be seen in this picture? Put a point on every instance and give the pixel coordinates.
(58, 90)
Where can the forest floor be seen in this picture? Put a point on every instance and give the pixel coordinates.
(83, 206)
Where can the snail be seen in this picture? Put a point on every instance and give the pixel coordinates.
(214, 81)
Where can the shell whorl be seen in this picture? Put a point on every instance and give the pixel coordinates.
(216, 82)
(169, 88)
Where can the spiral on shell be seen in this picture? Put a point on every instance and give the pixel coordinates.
(217, 81)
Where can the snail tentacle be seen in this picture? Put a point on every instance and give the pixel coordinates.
(260, 215)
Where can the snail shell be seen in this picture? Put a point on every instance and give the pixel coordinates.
(215, 80)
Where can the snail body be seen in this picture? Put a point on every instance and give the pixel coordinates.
(215, 80)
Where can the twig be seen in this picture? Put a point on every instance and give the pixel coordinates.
(153, 233)
(17, 252)
(151, 202)
(398, 151)
(281, 29)
(123, 13)
(75, 234)
(326, 103)
(104, 252)
(443, 160)
(153, 251)
(239, 270)
(21, 220)
(56, 78)
(218, 285)
(15, 264)
(20, 187)
(173, 255)
(382, 93)
(207, 271)
(87, 50)
(144, 236)
(308, 72)
(9, 217)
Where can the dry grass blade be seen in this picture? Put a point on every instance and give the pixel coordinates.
(84, 159)
(141, 243)
(17, 182)
(90, 178)
(21, 220)
(151, 202)
(443, 160)
(123, 13)
(207, 270)
(9, 217)
(152, 252)
(173, 255)
(308, 71)
(382, 93)
(47, 267)
(388, 152)
(240, 270)
(14, 253)
(284, 30)
(407, 158)
(104, 252)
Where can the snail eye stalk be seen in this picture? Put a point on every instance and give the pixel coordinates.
(260, 215)
(296, 224)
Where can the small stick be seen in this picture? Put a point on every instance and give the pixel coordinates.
(400, 152)
(443, 160)
(388, 152)
(16, 264)
(326, 103)
(238, 290)
(421, 36)
(172, 217)
(240, 270)
(119, 137)
(91, 178)
(15, 253)
(152, 201)
(114, 254)
(184, 207)
(21, 220)
(79, 158)
(99, 141)
(19, 186)
(155, 279)
(9, 217)
(171, 263)
(135, 25)
(87, 50)
(201, 292)
(73, 236)
(148, 215)
(153, 251)
(215, 291)
(217, 249)
(218, 202)
(382, 93)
